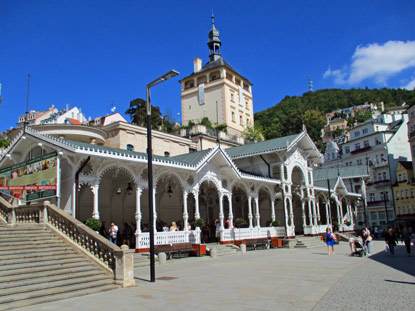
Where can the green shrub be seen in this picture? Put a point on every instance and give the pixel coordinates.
(239, 222)
(200, 222)
(275, 223)
(94, 224)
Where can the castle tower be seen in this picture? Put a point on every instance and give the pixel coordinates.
(217, 91)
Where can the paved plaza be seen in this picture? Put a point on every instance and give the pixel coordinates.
(276, 279)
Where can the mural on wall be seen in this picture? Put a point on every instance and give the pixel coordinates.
(31, 180)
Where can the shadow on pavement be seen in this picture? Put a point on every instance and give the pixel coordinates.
(400, 261)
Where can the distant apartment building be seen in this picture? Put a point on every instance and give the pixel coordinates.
(404, 191)
(380, 146)
(52, 116)
(411, 132)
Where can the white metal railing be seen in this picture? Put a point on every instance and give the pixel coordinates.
(252, 233)
(170, 237)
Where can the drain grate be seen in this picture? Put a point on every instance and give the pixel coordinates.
(166, 278)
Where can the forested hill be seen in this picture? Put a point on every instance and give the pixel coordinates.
(287, 116)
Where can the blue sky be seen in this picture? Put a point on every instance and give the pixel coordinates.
(92, 54)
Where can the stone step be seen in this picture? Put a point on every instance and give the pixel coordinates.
(13, 263)
(37, 254)
(40, 273)
(69, 280)
(20, 237)
(15, 298)
(33, 246)
(24, 268)
(31, 242)
(30, 250)
(55, 297)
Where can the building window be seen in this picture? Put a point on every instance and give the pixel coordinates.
(357, 146)
(384, 176)
(364, 131)
(166, 154)
(328, 156)
(359, 162)
(232, 97)
(400, 177)
(404, 177)
(130, 147)
(247, 121)
(381, 215)
(412, 193)
(371, 197)
(397, 195)
(366, 143)
(241, 121)
(233, 116)
(357, 134)
(247, 104)
(373, 215)
(406, 193)
(347, 149)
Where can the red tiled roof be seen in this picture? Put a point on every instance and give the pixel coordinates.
(74, 121)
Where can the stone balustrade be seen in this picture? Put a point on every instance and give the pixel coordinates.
(119, 260)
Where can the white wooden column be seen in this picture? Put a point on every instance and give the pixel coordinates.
(327, 212)
(95, 211)
(138, 214)
(313, 206)
(250, 211)
(310, 211)
(257, 217)
(230, 216)
(196, 196)
(185, 213)
(272, 208)
(303, 212)
(154, 211)
(74, 198)
(221, 214)
(286, 214)
(318, 210)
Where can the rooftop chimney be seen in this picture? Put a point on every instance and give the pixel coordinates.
(197, 65)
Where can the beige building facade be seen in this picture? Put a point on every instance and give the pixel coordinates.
(217, 91)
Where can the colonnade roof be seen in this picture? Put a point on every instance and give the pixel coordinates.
(356, 171)
(268, 146)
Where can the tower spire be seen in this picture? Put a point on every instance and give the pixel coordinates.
(214, 42)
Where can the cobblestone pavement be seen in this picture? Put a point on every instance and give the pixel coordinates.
(281, 279)
(383, 282)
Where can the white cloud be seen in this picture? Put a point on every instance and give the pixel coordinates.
(374, 61)
(410, 86)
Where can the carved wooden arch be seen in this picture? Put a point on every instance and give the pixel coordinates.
(302, 169)
(238, 183)
(213, 179)
(122, 167)
(175, 176)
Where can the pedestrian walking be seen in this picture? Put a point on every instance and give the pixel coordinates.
(330, 240)
(113, 231)
(391, 241)
(407, 240)
(367, 240)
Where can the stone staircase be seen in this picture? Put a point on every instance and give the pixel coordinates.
(224, 249)
(37, 267)
(309, 242)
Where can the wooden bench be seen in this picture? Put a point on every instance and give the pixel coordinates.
(181, 248)
(164, 248)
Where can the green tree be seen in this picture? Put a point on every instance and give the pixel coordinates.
(138, 114)
(4, 142)
(253, 134)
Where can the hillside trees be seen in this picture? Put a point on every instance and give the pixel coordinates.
(288, 116)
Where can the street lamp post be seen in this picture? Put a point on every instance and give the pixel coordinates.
(170, 74)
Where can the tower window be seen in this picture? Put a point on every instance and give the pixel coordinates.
(232, 97)
(130, 147)
(233, 116)
(166, 154)
(241, 120)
